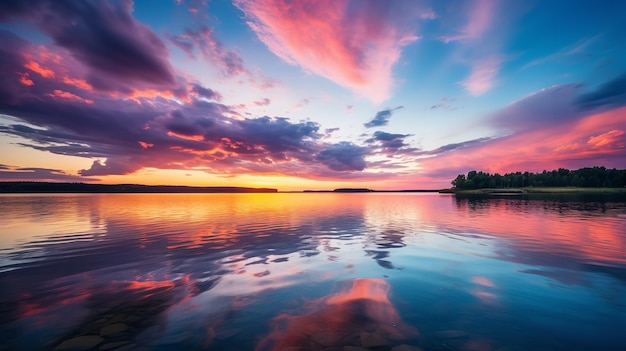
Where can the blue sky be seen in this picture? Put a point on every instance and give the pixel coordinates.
(308, 94)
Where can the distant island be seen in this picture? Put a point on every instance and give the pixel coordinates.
(588, 179)
(49, 187)
(365, 190)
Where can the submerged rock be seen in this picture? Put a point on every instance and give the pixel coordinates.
(372, 340)
(84, 342)
(113, 329)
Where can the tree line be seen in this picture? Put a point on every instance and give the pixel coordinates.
(588, 177)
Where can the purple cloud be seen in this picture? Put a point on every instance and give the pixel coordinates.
(610, 94)
(263, 102)
(104, 36)
(343, 156)
(122, 136)
(229, 62)
(205, 92)
(39, 174)
(382, 117)
(551, 106)
(390, 143)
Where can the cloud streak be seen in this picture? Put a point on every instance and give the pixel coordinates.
(479, 45)
(353, 45)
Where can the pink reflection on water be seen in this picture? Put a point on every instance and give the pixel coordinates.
(359, 315)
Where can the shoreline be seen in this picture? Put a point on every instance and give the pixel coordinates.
(534, 190)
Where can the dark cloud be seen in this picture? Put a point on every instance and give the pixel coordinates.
(381, 118)
(10, 66)
(40, 174)
(343, 156)
(117, 165)
(390, 143)
(102, 35)
(384, 136)
(205, 92)
(456, 146)
(548, 107)
(611, 94)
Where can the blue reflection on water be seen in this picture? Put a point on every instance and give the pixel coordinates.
(314, 271)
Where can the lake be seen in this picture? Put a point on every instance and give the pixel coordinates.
(313, 271)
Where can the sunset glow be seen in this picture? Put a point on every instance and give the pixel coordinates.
(308, 94)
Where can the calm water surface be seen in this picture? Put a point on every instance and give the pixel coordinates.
(311, 272)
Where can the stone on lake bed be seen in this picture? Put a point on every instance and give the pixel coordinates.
(112, 345)
(113, 329)
(372, 340)
(84, 342)
(405, 347)
(451, 334)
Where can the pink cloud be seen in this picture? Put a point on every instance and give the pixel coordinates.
(480, 16)
(42, 71)
(595, 139)
(67, 95)
(145, 145)
(25, 80)
(353, 46)
(480, 44)
(483, 76)
(79, 83)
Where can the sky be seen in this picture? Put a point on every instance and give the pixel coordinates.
(307, 94)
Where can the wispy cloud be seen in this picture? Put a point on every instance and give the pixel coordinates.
(479, 45)
(353, 45)
(480, 15)
(483, 75)
(444, 103)
(580, 48)
(204, 39)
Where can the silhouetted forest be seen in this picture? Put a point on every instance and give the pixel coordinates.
(588, 177)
